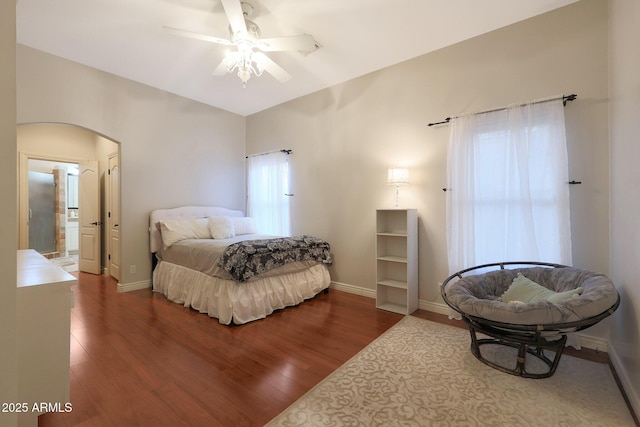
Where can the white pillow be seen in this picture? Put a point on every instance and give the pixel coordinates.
(244, 225)
(175, 230)
(221, 227)
(525, 290)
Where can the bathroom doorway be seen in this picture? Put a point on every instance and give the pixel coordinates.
(53, 210)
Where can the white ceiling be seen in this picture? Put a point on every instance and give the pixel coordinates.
(126, 38)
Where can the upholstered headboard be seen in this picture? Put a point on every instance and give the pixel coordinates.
(183, 212)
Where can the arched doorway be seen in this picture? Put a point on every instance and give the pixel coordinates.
(69, 144)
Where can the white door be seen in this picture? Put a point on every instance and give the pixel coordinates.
(113, 201)
(89, 259)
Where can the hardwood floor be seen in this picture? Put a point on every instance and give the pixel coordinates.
(138, 359)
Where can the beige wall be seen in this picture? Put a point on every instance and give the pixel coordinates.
(344, 138)
(8, 225)
(173, 151)
(624, 31)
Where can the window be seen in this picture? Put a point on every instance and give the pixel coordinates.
(268, 192)
(508, 193)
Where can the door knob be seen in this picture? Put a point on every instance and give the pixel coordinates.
(96, 223)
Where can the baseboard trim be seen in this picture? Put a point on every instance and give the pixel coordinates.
(133, 286)
(587, 341)
(630, 390)
(434, 307)
(369, 293)
(594, 343)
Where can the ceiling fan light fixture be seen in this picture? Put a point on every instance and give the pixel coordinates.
(246, 62)
(244, 74)
(245, 35)
(260, 67)
(230, 60)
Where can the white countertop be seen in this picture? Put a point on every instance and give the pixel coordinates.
(36, 270)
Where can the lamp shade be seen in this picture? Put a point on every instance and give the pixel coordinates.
(398, 176)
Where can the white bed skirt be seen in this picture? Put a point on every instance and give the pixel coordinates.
(229, 301)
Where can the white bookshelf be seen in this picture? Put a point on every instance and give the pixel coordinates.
(397, 260)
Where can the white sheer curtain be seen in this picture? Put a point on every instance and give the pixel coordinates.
(267, 191)
(507, 187)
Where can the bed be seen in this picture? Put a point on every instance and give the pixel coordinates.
(193, 265)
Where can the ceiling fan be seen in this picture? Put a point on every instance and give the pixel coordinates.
(244, 34)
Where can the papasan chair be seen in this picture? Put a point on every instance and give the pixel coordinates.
(529, 307)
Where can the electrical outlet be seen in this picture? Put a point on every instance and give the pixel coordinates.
(132, 268)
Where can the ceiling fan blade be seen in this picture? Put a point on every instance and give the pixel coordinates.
(233, 10)
(272, 68)
(220, 70)
(198, 36)
(304, 43)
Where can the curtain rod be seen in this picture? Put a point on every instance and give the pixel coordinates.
(285, 151)
(564, 98)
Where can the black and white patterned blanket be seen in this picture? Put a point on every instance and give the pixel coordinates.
(249, 258)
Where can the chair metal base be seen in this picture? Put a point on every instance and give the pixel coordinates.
(527, 344)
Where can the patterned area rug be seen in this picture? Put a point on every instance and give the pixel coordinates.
(422, 373)
(68, 263)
